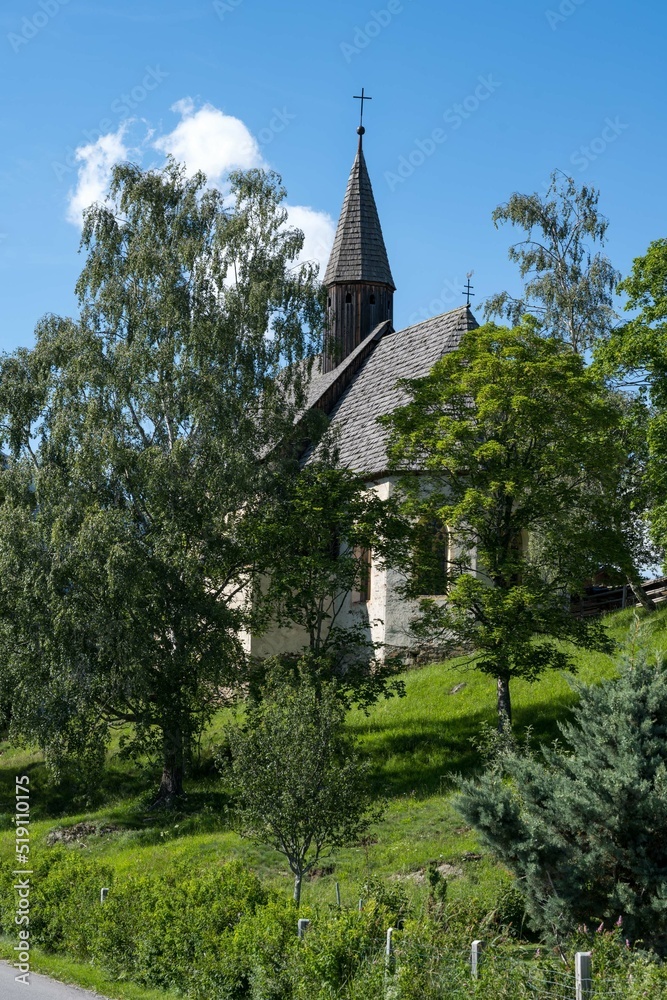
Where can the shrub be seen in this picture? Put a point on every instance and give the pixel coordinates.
(166, 931)
(64, 900)
(585, 829)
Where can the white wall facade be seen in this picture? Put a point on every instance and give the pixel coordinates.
(386, 616)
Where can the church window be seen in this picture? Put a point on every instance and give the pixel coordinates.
(334, 545)
(430, 559)
(372, 300)
(348, 299)
(362, 591)
(329, 302)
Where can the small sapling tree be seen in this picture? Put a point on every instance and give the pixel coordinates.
(301, 783)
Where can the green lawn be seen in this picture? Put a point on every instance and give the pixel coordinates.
(87, 976)
(418, 744)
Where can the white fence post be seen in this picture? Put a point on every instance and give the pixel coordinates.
(583, 975)
(103, 895)
(302, 927)
(476, 958)
(389, 950)
(389, 967)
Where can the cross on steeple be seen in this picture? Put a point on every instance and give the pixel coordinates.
(362, 97)
(468, 290)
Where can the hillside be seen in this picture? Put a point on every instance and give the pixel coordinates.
(418, 744)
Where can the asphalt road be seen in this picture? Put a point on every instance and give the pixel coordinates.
(40, 988)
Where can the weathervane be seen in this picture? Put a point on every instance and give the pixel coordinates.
(362, 97)
(468, 290)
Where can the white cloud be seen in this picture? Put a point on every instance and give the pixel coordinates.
(318, 229)
(204, 139)
(97, 161)
(209, 140)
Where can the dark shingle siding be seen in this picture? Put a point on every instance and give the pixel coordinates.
(409, 353)
(359, 253)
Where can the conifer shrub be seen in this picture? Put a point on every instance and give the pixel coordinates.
(583, 824)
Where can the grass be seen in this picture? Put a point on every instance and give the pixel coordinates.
(418, 745)
(66, 971)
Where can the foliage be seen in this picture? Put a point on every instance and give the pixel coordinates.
(621, 509)
(583, 825)
(127, 508)
(414, 741)
(301, 782)
(218, 933)
(637, 354)
(570, 288)
(318, 528)
(518, 440)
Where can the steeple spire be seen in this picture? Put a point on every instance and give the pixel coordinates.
(358, 277)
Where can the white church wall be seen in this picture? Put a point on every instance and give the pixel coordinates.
(371, 613)
(274, 640)
(386, 616)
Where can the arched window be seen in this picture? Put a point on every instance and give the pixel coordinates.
(348, 299)
(430, 559)
(372, 300)
(362, 591)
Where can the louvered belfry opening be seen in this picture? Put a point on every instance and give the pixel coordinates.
(358, 278)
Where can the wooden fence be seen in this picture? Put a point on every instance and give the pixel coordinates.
(604, 599)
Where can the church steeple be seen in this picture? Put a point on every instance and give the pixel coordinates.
(360, 287)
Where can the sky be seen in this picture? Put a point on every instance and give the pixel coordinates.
(470, 102)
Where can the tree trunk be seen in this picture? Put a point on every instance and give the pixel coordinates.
(171, 783)
(646, 602)
(504, 704)
(297, 888)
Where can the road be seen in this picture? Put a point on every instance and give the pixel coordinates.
(40, 988)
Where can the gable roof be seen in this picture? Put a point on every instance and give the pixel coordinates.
(326, 388)
(358, 252)
(371, 392)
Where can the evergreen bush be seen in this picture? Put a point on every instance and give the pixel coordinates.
(583, 824)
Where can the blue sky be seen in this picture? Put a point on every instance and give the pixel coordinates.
(470, 102)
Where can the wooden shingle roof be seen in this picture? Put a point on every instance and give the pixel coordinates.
(368, 388)
(359, 253)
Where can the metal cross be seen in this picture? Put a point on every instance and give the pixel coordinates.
(362, 97)
(468, 290)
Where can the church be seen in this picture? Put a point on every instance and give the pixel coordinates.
(354, 383)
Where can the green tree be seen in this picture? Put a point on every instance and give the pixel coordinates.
(621, 511)
(320, 528)
(511, 431)
(637, 355)
(134, 480)
(301, 783)
(570, 287)
(583, 826)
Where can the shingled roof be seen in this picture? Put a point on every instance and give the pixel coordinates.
(359, 253)
(372, 391)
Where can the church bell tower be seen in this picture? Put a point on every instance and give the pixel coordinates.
(358, 280)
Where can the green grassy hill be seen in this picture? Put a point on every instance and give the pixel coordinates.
(418, 744)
